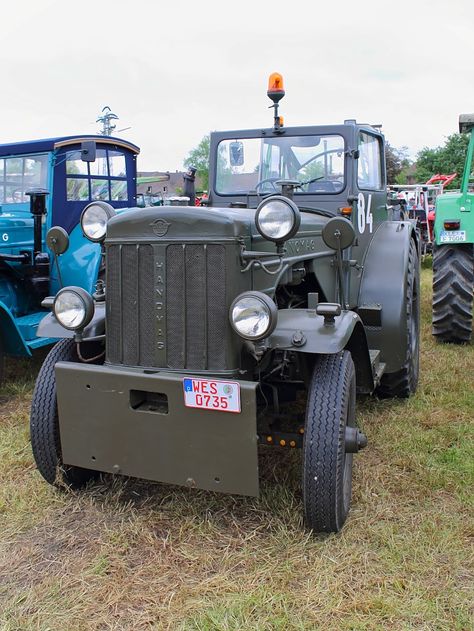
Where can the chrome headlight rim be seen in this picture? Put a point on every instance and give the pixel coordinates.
(267, 303)
(296, 218)
(87, 303)
(109, 212)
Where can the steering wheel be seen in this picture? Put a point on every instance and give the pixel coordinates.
(271, 180)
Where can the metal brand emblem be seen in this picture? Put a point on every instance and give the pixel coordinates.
(160, 227)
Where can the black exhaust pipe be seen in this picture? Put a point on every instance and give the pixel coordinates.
(189, 185)
(40, 277)
(38, 210)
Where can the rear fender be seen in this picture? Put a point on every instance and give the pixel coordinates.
(383, 286)
(303, 331)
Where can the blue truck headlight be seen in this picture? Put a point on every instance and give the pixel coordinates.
(94, 220)
(278, 218)
(253, 315)
(73, 308)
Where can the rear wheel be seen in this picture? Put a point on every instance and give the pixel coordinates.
(403, 382)
(453, 281)
(44, 423)
(327, 467)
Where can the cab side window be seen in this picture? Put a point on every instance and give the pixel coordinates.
(18, 175)
(369, 171)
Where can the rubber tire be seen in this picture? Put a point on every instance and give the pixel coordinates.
(44, 423)
(453, 282)
(327, 468)
(404, 382)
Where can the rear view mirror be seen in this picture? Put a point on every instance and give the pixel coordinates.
(88, 151)
(236, 151)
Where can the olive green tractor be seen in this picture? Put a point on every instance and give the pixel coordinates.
(250, 323)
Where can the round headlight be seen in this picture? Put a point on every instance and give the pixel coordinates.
(253, 315)
(94, 220)
(73, 308)
(277, 218)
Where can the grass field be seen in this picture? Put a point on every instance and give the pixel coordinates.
(132, 555)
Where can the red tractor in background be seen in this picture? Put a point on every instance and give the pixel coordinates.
(417, 202)
(444, 180)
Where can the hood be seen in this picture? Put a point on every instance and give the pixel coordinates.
(178, 222)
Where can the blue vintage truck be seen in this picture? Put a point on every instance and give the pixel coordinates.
(45, 183)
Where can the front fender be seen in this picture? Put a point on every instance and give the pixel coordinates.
(318, 337)
(50, 327)
(303, 331)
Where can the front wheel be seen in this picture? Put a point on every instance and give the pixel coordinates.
(44, 423)
(327, 463)
(453, 281)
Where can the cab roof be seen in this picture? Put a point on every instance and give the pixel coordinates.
(51, 144)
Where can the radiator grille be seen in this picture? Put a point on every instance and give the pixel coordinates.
(195, 308)
(196, 311)
(130, 308)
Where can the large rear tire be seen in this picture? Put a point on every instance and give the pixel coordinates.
(327, 468)
(44, 423)
(404, 382)
(453, 281)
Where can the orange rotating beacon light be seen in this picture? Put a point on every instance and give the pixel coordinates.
(276, 92)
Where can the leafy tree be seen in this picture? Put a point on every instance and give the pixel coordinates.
(396, 161)
(448, 158)
(199, 158)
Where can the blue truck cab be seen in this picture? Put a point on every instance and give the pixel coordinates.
(64, 174)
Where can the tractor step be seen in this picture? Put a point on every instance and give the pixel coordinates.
(378, 367)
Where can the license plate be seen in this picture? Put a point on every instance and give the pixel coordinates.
(452, 236)
(209, 394)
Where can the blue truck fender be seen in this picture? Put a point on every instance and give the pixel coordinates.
(80, 264)
(13, 341)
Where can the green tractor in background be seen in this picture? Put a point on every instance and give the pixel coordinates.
(453, 253)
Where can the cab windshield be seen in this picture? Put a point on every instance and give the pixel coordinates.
(246, 165)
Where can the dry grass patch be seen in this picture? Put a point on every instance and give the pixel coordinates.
(125, 554)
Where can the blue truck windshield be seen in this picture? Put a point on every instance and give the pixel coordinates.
(255, 164)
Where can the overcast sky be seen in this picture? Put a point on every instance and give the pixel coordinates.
(173, 71)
